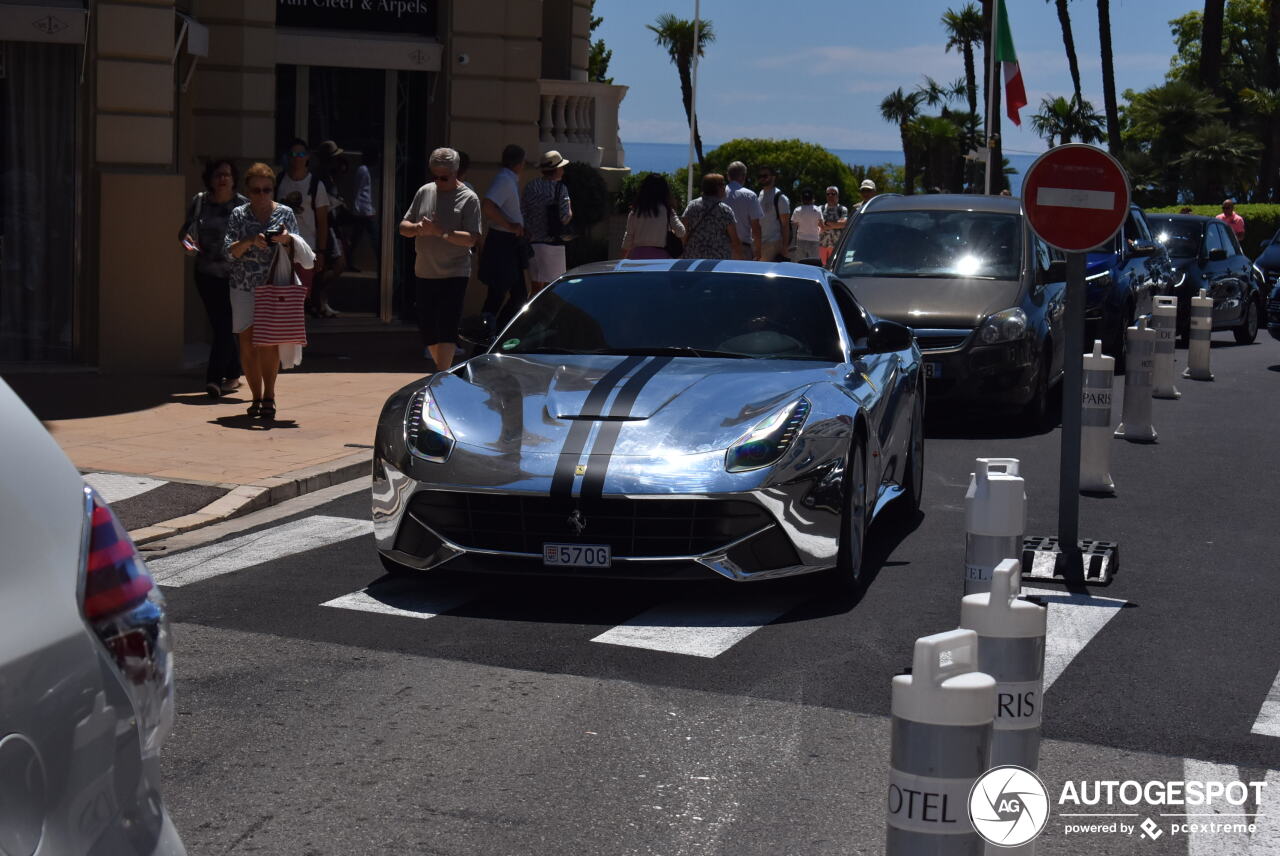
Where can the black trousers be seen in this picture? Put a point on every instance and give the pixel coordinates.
(502, 267)
(439, 306)
(224, 353)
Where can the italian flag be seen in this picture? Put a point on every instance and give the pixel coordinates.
(1015, 95)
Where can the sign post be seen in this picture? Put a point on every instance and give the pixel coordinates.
(1075, 197)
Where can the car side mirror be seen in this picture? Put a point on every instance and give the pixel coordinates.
(1144, 248)
(1056, 272)
(888, 336)
(1217, 254)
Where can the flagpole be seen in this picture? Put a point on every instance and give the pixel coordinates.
(693, 100)
(991, 86)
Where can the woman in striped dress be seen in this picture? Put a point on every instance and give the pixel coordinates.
(249, 249)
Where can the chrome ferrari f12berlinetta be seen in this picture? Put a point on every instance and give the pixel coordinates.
(659, 419)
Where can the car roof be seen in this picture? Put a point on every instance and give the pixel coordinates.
(948, 202)
(792, 270)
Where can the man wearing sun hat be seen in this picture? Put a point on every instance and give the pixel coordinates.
(547, 211)
(866, 190)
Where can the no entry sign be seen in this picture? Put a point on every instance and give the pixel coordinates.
(1075, 197)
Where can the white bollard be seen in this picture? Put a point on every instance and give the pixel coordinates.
(1164, 320)
(1198, 338)
(1135, 424)
(1095, 422)
(939, 745)
(1011, 636)
(995, 516)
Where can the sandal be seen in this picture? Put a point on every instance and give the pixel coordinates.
(255, 409)
(268, 410)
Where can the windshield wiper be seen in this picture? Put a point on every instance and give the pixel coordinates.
(677, 351)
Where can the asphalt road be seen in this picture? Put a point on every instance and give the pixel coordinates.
(326, 709)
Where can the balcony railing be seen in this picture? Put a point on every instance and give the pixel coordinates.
(580, 120)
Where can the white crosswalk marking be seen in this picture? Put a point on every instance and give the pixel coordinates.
(407, 601)
(698, 630)
(1265, 840)
(117, 487)
(1074, 619)
(224, 557)
(1268, 721)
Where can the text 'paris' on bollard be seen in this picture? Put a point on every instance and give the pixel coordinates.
(1095, 423)
(995, 517)
(940, 744)
(1135, 423)
(1164, 320)
(1198, 338)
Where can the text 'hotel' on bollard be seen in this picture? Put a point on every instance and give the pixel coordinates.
(1096, 426)
(1011, 636)
(995, 517)
(1164, 320)
(1198, 337)
(1135, 423)
(940, 744)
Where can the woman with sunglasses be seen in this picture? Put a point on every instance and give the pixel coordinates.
(251, 230)
(202, 235)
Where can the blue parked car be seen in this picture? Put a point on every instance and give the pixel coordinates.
(1268, 266)
(1120, 280)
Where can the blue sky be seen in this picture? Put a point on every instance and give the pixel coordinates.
(817, 69)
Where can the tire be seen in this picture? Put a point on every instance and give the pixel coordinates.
(913, 483)
(1247, 330)
(846, 577)
(394, 568)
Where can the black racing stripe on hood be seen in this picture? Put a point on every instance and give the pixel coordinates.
(607, 439)
(706, 265)
(580, 429)
(682, 265)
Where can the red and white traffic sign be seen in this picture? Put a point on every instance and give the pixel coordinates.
(1075, 197)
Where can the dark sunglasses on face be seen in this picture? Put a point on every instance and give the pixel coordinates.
(258, 190)
(297, 154)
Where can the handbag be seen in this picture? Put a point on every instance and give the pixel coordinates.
(674, 246)
(278, 314)
(191, 240)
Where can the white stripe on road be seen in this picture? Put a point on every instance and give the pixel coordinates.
(224, 557)
(117, 487)
(1268, 721)
(695, 629)
(408, 601)
(1066, 197)
(1265, 840)
(1074, 619)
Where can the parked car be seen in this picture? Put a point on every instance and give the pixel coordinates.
(983, 295)
(1267, 265)
(86, 672)
(1206, 254)
(659, 419)
(1121, 279)
(1273, 312)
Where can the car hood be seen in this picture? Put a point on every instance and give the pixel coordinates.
(934, 302)
(528, 403)
(1269, 258)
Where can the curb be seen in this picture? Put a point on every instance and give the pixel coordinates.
(263, 493)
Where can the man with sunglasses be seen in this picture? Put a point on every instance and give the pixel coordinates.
(444, 222)
(306, 195)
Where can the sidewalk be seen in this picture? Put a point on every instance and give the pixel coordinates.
(165, 427)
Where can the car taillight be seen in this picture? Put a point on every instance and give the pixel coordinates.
(126, 611)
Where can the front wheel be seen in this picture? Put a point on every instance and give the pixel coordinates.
(1247, 330)
(846, 577)
(913, 472)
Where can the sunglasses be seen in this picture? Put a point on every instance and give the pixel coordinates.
(299, 154)
(259, 190)
(764, 176)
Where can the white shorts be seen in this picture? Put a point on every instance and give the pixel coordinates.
(241, 309)
(547, 262)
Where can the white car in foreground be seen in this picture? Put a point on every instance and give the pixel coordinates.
(86, 671)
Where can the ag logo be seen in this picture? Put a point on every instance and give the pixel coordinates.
(1008, 806)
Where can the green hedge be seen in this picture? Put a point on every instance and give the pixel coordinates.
(1261, 220)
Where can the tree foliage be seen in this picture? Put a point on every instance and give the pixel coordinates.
(676, 36)
(598, 59)
(799, 165)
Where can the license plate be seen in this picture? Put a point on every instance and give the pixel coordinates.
(933, 369)
(577, 555)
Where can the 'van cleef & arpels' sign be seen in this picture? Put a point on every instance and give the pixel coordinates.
(378, 16)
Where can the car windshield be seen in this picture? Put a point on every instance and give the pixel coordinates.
(1180, 237)
(950, 244)
(693, 314)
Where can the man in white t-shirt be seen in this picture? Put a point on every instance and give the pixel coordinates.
(746, 210)
(305, 194)
(503, 259)
(775, 224)
(808, 220)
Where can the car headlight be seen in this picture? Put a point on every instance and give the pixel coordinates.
(765, 443)
(1004, 326)
(427, 434)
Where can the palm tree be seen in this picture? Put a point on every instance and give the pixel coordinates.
(1211, 46)
(936, 145)
(1220, 160)
(1265, 103)
(901, 107)
(1165, 117)
(676, 36)
(964, 30)
(1067, 119)
(1108, 76)
(1068, 42)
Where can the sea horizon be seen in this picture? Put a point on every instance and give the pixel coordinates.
(669, 157)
